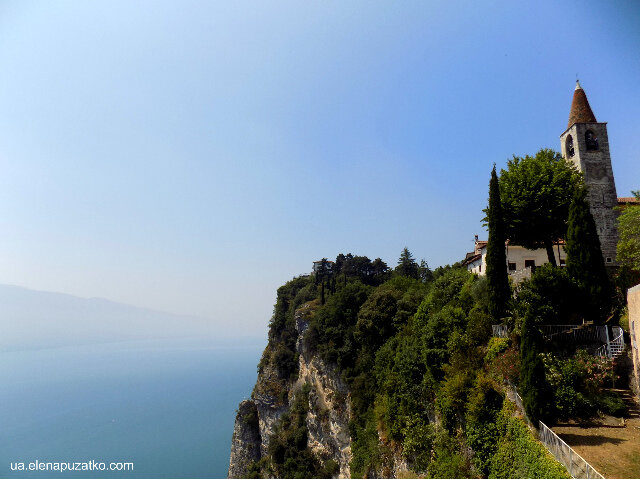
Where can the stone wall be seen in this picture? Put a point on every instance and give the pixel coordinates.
(633, 300)
(595, 164)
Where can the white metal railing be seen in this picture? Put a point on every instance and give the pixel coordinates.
(615, 346)
(577, 467)
(500, 330)
(565, 455)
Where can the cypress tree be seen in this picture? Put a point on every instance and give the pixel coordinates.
(585, 263)
(498, 288)
(536, 393)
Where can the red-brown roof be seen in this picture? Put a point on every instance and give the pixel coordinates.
(628, 200)
(580, 110)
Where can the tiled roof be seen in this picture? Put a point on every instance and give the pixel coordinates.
(628, 200)
(471, 257)
(580, 110)
(483, 244)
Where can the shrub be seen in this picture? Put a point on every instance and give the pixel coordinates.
(550, 296)
(483, 407)
(507, 365)
(452, 398)
(578, 383)
(496, 347)
(518, 454)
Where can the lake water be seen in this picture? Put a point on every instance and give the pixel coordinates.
(167, 406)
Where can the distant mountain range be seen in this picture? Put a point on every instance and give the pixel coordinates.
(38, 319)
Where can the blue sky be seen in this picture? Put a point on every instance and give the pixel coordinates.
(192, 156)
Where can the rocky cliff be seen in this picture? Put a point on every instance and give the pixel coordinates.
(328, 409)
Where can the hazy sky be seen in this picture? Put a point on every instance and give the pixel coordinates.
(191, 156)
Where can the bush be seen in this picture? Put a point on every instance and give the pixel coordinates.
(483, 407)
(518, 454)
(452, 398)
(550, 296)
(496, 347)
(578, 383)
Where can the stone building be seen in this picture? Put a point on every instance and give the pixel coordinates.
(586, 144)
(521, 262)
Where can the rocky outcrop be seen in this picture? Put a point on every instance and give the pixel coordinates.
(327, 419)
(245, 444)
(329, 406)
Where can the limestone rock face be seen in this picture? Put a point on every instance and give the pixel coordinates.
(245, 444)
(327, 419)
(329, 407)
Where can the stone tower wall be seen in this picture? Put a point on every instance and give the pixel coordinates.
(598, 175)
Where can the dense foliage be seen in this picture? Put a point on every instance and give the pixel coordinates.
(536, 192)
(629, 229)
(534, 388)
(427, 380)
(585, 263)
(411, 350)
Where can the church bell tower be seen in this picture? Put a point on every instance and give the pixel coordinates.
(586, 144)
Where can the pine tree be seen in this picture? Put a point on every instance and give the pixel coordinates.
(407, 265)
(498, 288)
(585, 263)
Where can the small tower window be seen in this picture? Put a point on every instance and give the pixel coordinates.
(591, 139)
(569, 147)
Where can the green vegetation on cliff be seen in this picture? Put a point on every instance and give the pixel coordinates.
(424, 383)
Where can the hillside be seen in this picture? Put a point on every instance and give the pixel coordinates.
(382, 375)
(39, 319)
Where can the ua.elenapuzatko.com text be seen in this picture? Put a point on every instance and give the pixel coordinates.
(71, 466)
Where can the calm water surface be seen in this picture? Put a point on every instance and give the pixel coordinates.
(167, 406)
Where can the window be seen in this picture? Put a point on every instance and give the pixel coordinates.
(530, 263)
(512, 266)
(591, 139)
(563, 262)
(480, 268)
(609, 260)
(569, 147)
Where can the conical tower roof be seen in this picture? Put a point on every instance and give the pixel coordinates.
(580, 109)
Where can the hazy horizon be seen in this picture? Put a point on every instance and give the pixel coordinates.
(47, 320)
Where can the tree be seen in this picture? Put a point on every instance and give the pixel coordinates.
(425, 273)
(323, 273)
(536, 393)
(498, 288)
(628, 253)
(536, 192)
(407, 265)
(585, 263)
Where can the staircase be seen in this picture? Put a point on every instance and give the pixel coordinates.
(611, 347)
(630, 400)
(614, 347)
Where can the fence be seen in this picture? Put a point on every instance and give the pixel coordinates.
(575, 464)
(577, 467)
(588, 333)
(576, 333)
(500, 330)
